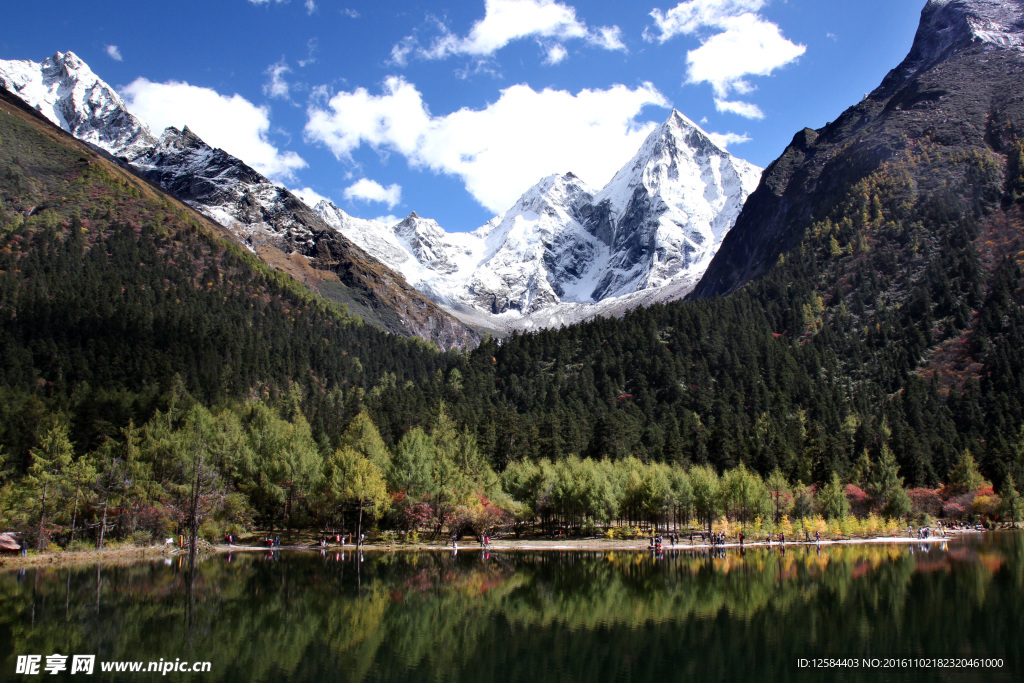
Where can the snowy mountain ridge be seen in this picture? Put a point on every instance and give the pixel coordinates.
(267, 218)
(65, 90)
(564, 253)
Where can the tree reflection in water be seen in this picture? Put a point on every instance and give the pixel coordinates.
(529, 616)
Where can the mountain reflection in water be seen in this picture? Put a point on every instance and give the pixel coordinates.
(529, 616)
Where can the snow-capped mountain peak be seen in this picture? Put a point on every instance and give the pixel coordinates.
(65, 90)
(564, 252)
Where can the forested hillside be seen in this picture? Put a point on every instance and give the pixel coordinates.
(111, 292)
(157, 376)
(897, 321)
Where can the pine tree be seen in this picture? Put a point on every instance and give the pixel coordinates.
(705, 483)
(50, 462)
(886, 486)
(1011, 500)
(362, 436)
(965, 475)
(831, 499)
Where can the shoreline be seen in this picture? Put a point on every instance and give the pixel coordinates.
(62, 559)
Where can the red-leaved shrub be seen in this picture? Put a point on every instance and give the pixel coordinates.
(925, 501)
(860, 501)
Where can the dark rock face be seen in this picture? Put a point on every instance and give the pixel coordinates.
(958, 87)
(948, 26)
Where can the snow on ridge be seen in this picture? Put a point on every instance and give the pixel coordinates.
(561, 254)
(66, 91)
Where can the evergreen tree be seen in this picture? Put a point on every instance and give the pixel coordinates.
(744, 495)
(351, 479)
(43, 484)
(831, 499)
(965, 475)
(886, 486)
(778, 490)
(362, 436)
(1011, 500)
(705, 483)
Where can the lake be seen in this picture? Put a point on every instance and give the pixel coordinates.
(843, 612)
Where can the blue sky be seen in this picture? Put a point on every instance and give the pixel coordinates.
(453, 108)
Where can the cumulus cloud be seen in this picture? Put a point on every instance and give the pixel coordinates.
(310, 6)
(232, 123)
(114, 53)
(556, 53)
(691, 16)
(310, 197)
(498, 151)
(723, 140)
(550, 23)
(745, 109)
(736, 43)
(367, 190)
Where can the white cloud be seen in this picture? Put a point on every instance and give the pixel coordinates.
(368, 190)
(691, 16)
(310, 6)
(266, 2)
(310, 197)
(749, 46)
(610, 38)
(319, 94)
(744, 109)
(232, 123)
(498, 151)
(556, 53)
(723, 140)
(400, 51)
(550, 23)
(114, 53)
(277, 86)
(311, 46)
(350, 13)
(741, 44)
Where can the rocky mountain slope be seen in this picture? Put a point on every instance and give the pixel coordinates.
(872, 301)
(957, 93)
(267, 218)
(565, 252)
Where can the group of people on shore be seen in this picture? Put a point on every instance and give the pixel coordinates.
(337, 539)
(720, 538)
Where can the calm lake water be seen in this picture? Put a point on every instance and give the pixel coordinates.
(536, 616)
